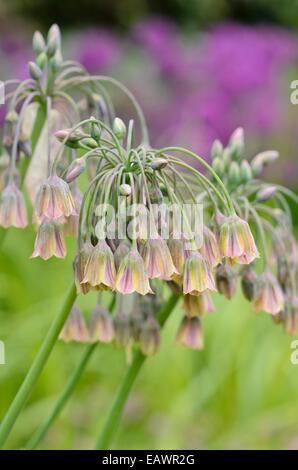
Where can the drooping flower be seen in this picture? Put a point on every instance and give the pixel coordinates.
(269, 296)
(54, 199)
(198, 305)
(100, 268)
(149, 337)
(121, 251)
(132, 276)
(226, 281)
(71, 225)
(49, 240)
(101, 326)
(123, 330)
(79, 265)
(75, 328)
(13, 211)
(197, 275)
(249, 283)
(158, 260)
(178, 255)
(210, 249)
(190, 333)
(236, 241)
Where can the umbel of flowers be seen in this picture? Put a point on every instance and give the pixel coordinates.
(145, 219)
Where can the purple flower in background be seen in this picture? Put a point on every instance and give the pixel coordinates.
(97, 49)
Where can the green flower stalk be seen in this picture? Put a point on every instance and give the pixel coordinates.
(146, 221)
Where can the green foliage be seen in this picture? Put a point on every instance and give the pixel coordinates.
(239, 392)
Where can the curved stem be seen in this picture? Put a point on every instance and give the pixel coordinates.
(36, 368)
(114, 415)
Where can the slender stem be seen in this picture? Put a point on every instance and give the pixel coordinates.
(114, 415)
(66, 393)
(62, 400)
(36, 367)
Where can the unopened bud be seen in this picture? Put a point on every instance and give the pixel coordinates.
(218, 166)
(216, 149)
(12, 116)
(73, 138)
(245, 171)
(38, 43)
(34, 70)
(226, 158)
(119, 128)
(159, 163)
(266, 193)
(125, 189)
(234, 173)
(41, 60)
(262, 159)
(53, 40)
(236, 143)
(88, 142)
(75, 169)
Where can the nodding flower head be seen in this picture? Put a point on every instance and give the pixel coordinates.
(101, 326)
(75, 328)
(100, 269)
(54, 199)
(178, 254)
(210, 248)
(236, 241)
(158, 260)
(132, 275)
(198, 305)
(49, 240)
(197, 275)
(269, 296)
(13, 211)
(190, 333)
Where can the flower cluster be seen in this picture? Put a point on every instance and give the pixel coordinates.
(144, 218)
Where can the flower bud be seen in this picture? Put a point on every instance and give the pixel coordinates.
(216, 149)
(218, 166)
(245, 171)
(190, 333)
(262, 159)
(266, 193)
(249, 284)
(159, 163)
(236, 143)
(226, 281)
(12, 116)
(101, 327)
(149, 337)
(88, 142)
(53, 40)
(38, 43)
(119, 128)
(125, 189)
(41, 60)
(75, 169)
(226, 158)
(234, 173)
(35, 71)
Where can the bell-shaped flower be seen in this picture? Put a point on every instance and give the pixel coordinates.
(100, 268)
(54, 199)
(236, 241)
(13, 211)
(197, 275)
(132, 275)
(269, 296)
(49, 240)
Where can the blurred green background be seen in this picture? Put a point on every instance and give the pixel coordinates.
(241, 391)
